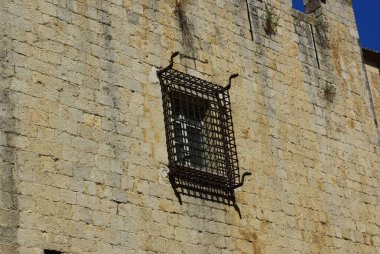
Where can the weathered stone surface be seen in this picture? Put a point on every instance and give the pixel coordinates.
(82, 142)
(373, 75)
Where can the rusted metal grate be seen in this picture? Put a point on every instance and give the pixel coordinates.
(199, 131)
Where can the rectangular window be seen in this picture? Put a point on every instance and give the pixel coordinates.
(189, 113)
(199, 131)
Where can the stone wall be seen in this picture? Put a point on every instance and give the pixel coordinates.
(373, 75)
(84, 132)
(9, 213)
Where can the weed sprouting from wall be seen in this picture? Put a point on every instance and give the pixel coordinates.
(330, 92)
(271, 21)
(184, 23)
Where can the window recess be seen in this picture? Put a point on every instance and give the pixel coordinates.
(52, 252)
(199, 133)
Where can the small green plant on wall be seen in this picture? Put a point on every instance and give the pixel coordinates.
(271, 21)
(330, 92)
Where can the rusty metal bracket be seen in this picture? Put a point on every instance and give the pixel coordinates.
(242, 179)
(175, 54)
(229, 82)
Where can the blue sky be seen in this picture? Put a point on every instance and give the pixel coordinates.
(367, 14)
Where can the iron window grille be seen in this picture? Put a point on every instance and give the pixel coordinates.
(199, 131)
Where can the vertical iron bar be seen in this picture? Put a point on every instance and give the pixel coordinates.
(315, 46)
(249, 18)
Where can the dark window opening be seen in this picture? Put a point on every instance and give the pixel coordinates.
(189, 122)
(52, 252)
(298, 5)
